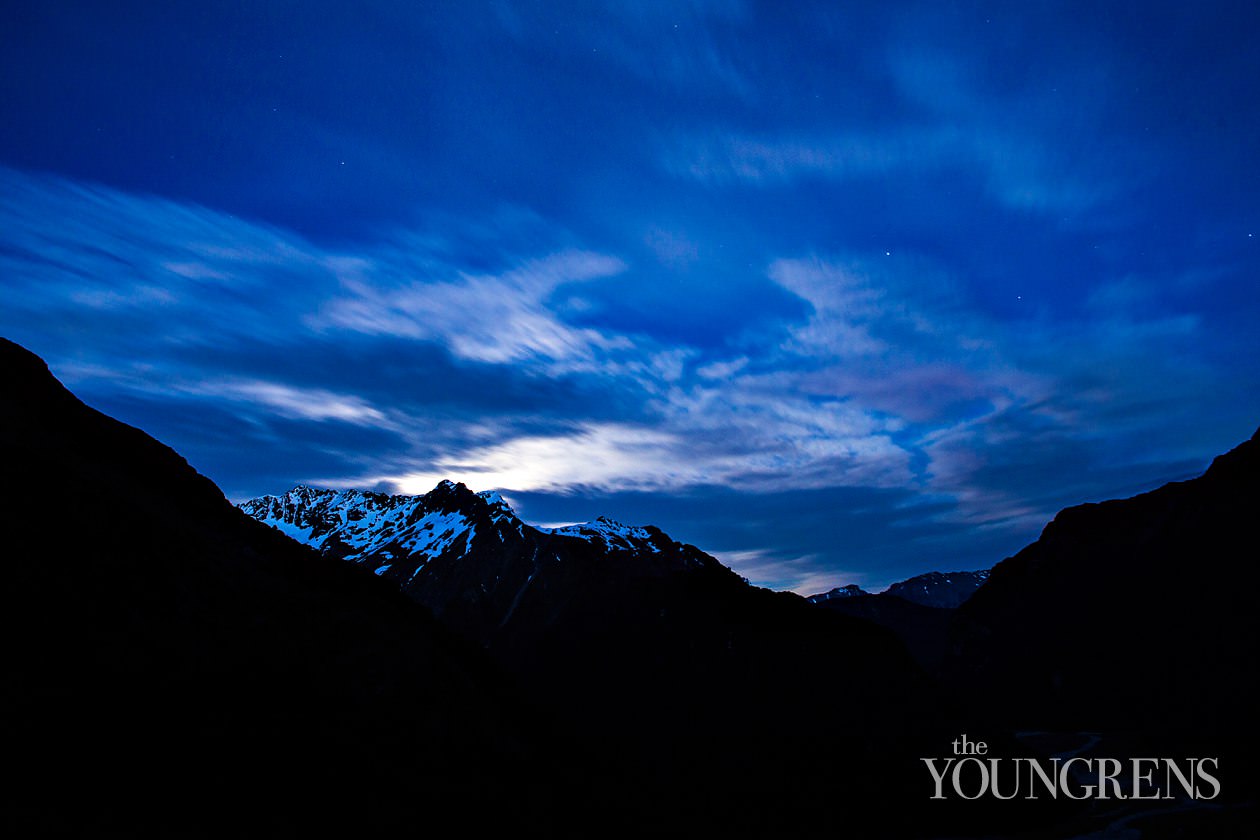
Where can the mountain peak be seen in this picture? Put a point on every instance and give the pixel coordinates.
(850, 591)
(452, 546)
(497, 504)
(939, 589)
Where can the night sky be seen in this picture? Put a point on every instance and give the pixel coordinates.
(838, 292)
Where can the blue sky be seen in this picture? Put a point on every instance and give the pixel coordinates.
(840, 293)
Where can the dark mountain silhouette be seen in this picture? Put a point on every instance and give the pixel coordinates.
(918, 610)
(1133, 623)
(1129, 613)
(852, 590)
(923, 629)
(939, 589)
(172, 665)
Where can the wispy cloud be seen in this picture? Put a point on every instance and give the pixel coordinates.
(1017, 171)
(255, 396)
(684, 46)
(486, 318)
(76, 249)
(1007, 418)
(303, 403)
(770, 160)
(806, 575)
(1016, 146)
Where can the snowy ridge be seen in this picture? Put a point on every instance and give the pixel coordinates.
(363, 526)
(611, 533)
(497, 504)
(468, 558)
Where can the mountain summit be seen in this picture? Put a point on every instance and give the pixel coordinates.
(467, 556)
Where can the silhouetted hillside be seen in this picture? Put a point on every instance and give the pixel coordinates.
(1131, 613)
(173, 665)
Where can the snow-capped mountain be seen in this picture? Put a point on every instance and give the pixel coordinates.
(466, 555)
(378, 529)
(408, 531)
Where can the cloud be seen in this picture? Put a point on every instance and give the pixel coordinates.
(72, 251)
(1009, 419)
(754, 443)
(806, 575)
(254, 396)
(882, 308)
(722, 369)
(486, 318)
(1017, 171)
(845, 303)
(1015, 145)
(771, 160)
(684, 46)
(303, 403)
(1018, 138)
(137, 272)
(602, 456)
(754, 431)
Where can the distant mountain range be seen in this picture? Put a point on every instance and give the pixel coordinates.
(175, 666)
(946, 590)
(919, 610)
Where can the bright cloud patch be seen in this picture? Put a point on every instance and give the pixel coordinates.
(487, 318)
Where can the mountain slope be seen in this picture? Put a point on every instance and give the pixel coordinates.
(945, 590)
(175, 665)
(918, 610)
(838, 593)
(1136, 613)
(922, 629)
